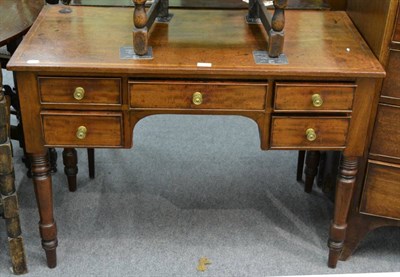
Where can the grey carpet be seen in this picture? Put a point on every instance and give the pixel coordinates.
(192, 186)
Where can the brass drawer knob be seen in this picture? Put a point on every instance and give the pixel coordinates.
(79, 93)
(197, 98)
(81, 132)
(317, 100)
(311, 135)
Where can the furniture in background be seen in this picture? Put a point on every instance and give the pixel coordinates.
(376, 200)
(8, 196)
(16, 19)
(120, 92)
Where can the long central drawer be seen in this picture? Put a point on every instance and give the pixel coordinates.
(197, 95)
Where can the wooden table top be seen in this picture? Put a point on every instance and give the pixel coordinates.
(16, 17)
(88, 40)
(209, 4)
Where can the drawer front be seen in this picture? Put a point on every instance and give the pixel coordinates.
(386, 136)
(396, 35)
(80, 90)
(313, 97)
(186, 95)
(381, 191)
(309, 132)
(65, 129)
(391, 84)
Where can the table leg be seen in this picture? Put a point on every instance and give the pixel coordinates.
(311, 170)
(344, 192)
(70, 161)
(44, 197)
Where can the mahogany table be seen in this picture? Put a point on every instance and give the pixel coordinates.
(84, 93)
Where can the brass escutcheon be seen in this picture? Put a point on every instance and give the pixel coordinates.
(197, 98)
(317, 100)
(79, 93)
(81, 132)
(311, 135)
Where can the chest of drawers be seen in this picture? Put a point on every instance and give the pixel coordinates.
(84, 95)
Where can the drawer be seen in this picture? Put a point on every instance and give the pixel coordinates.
(309, 132)
(192, 95)
(313, 97)
(82, 129)
(396, 35)
(391, 84)
(106, 91)
(381, 192)
(386, 135)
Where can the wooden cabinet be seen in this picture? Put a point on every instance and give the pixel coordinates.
(381, 192)
(376, 201)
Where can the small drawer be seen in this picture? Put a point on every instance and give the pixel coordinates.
(192, 95)
(381, 191)
(313, 97)
(309, 132)
(396, 34)
(82, 129)
(106, 91)
(386, 135)
(391, 84)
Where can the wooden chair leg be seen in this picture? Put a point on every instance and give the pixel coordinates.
(8, 196)
(90, 153)
(300, 165)
(70, 160)
(311, 170)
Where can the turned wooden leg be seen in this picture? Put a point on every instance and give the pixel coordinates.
(8, 196)
(311, 170)
(276, 34)
(70, 160)
(44, 198)
(140, 32)
(344, 191)
(90, 153)
(300, 165)
(11, 216)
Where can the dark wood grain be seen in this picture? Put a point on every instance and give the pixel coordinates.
(169, 95)
(396, 34)
(8, 194)
(386, 138)
(17, 17)
(177, 48)
(290, 132)
(375, 20)
(96, 90)
(381, 192)
(207, 4)
(391, 85)
(103, 130)
(298, 97)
